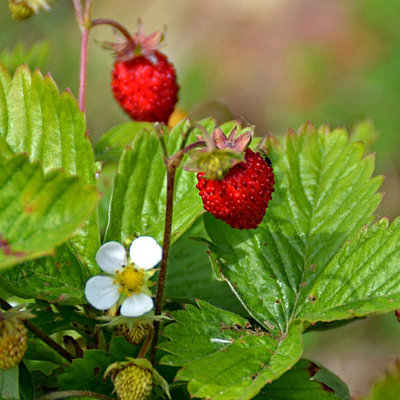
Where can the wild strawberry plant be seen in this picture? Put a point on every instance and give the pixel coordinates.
(166, 300)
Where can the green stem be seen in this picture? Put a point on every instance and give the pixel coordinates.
(73, 393)
(42, 335)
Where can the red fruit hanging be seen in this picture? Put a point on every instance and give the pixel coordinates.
(143, 80)
(235, 183)
(241, 197)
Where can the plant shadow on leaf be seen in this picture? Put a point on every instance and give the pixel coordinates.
(190, 277)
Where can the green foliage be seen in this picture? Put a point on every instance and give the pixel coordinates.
(306, 381)
(9, 389)
(190, 277)
(58, 278)
(35, 119)
(38, 350)
(223, 356)
(87, 373)
(139, 190)
(39, 211)
(369, 266)
(365, 132)
(35, 56)
(318, 233)
(26, 389)
(111, 145)
(324, 195)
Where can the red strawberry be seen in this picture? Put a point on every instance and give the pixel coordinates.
(143, 80)
(241, 197)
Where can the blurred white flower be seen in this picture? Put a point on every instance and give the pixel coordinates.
(125, 279)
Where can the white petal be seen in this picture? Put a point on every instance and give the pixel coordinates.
(136, 305)
(111, 256)
(101, 292)
(145, 252)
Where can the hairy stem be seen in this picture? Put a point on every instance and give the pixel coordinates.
(42, 335)
(116, 25)
(84, 20)
(73, 393)
(200, 143)
(172, 163)
(146, 344)
(78, 11)
(171, 170)
(83, 68)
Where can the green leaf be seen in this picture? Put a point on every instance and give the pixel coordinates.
(139, 190)
(365, 132)
(59, 318)
(38, 350)
(223, 358)
(87, 373)
(369, 266)
(9, 389)
(35, 57)
(38, 212)
(5, 150)
(36, 119)
(306, 381)
(58, 278)
(387, 388)
(25, 383)
(190, 277)
(111, 145)
(324, 195)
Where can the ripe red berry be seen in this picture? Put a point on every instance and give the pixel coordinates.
(241, 197)
(145, 87)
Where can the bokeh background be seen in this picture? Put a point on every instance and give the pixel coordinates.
(274, 63)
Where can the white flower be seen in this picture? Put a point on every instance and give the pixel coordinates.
(127, 279)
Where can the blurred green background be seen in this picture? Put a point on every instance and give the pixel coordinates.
(273, 63)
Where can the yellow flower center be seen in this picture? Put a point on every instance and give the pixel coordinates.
(130, 279)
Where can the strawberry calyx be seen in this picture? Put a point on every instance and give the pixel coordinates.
(220, 152)
(127, 47)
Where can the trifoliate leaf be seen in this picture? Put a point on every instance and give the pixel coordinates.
(38, 212)
(36, 119)
(139, 190)
(324, 195)
(223, 356)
